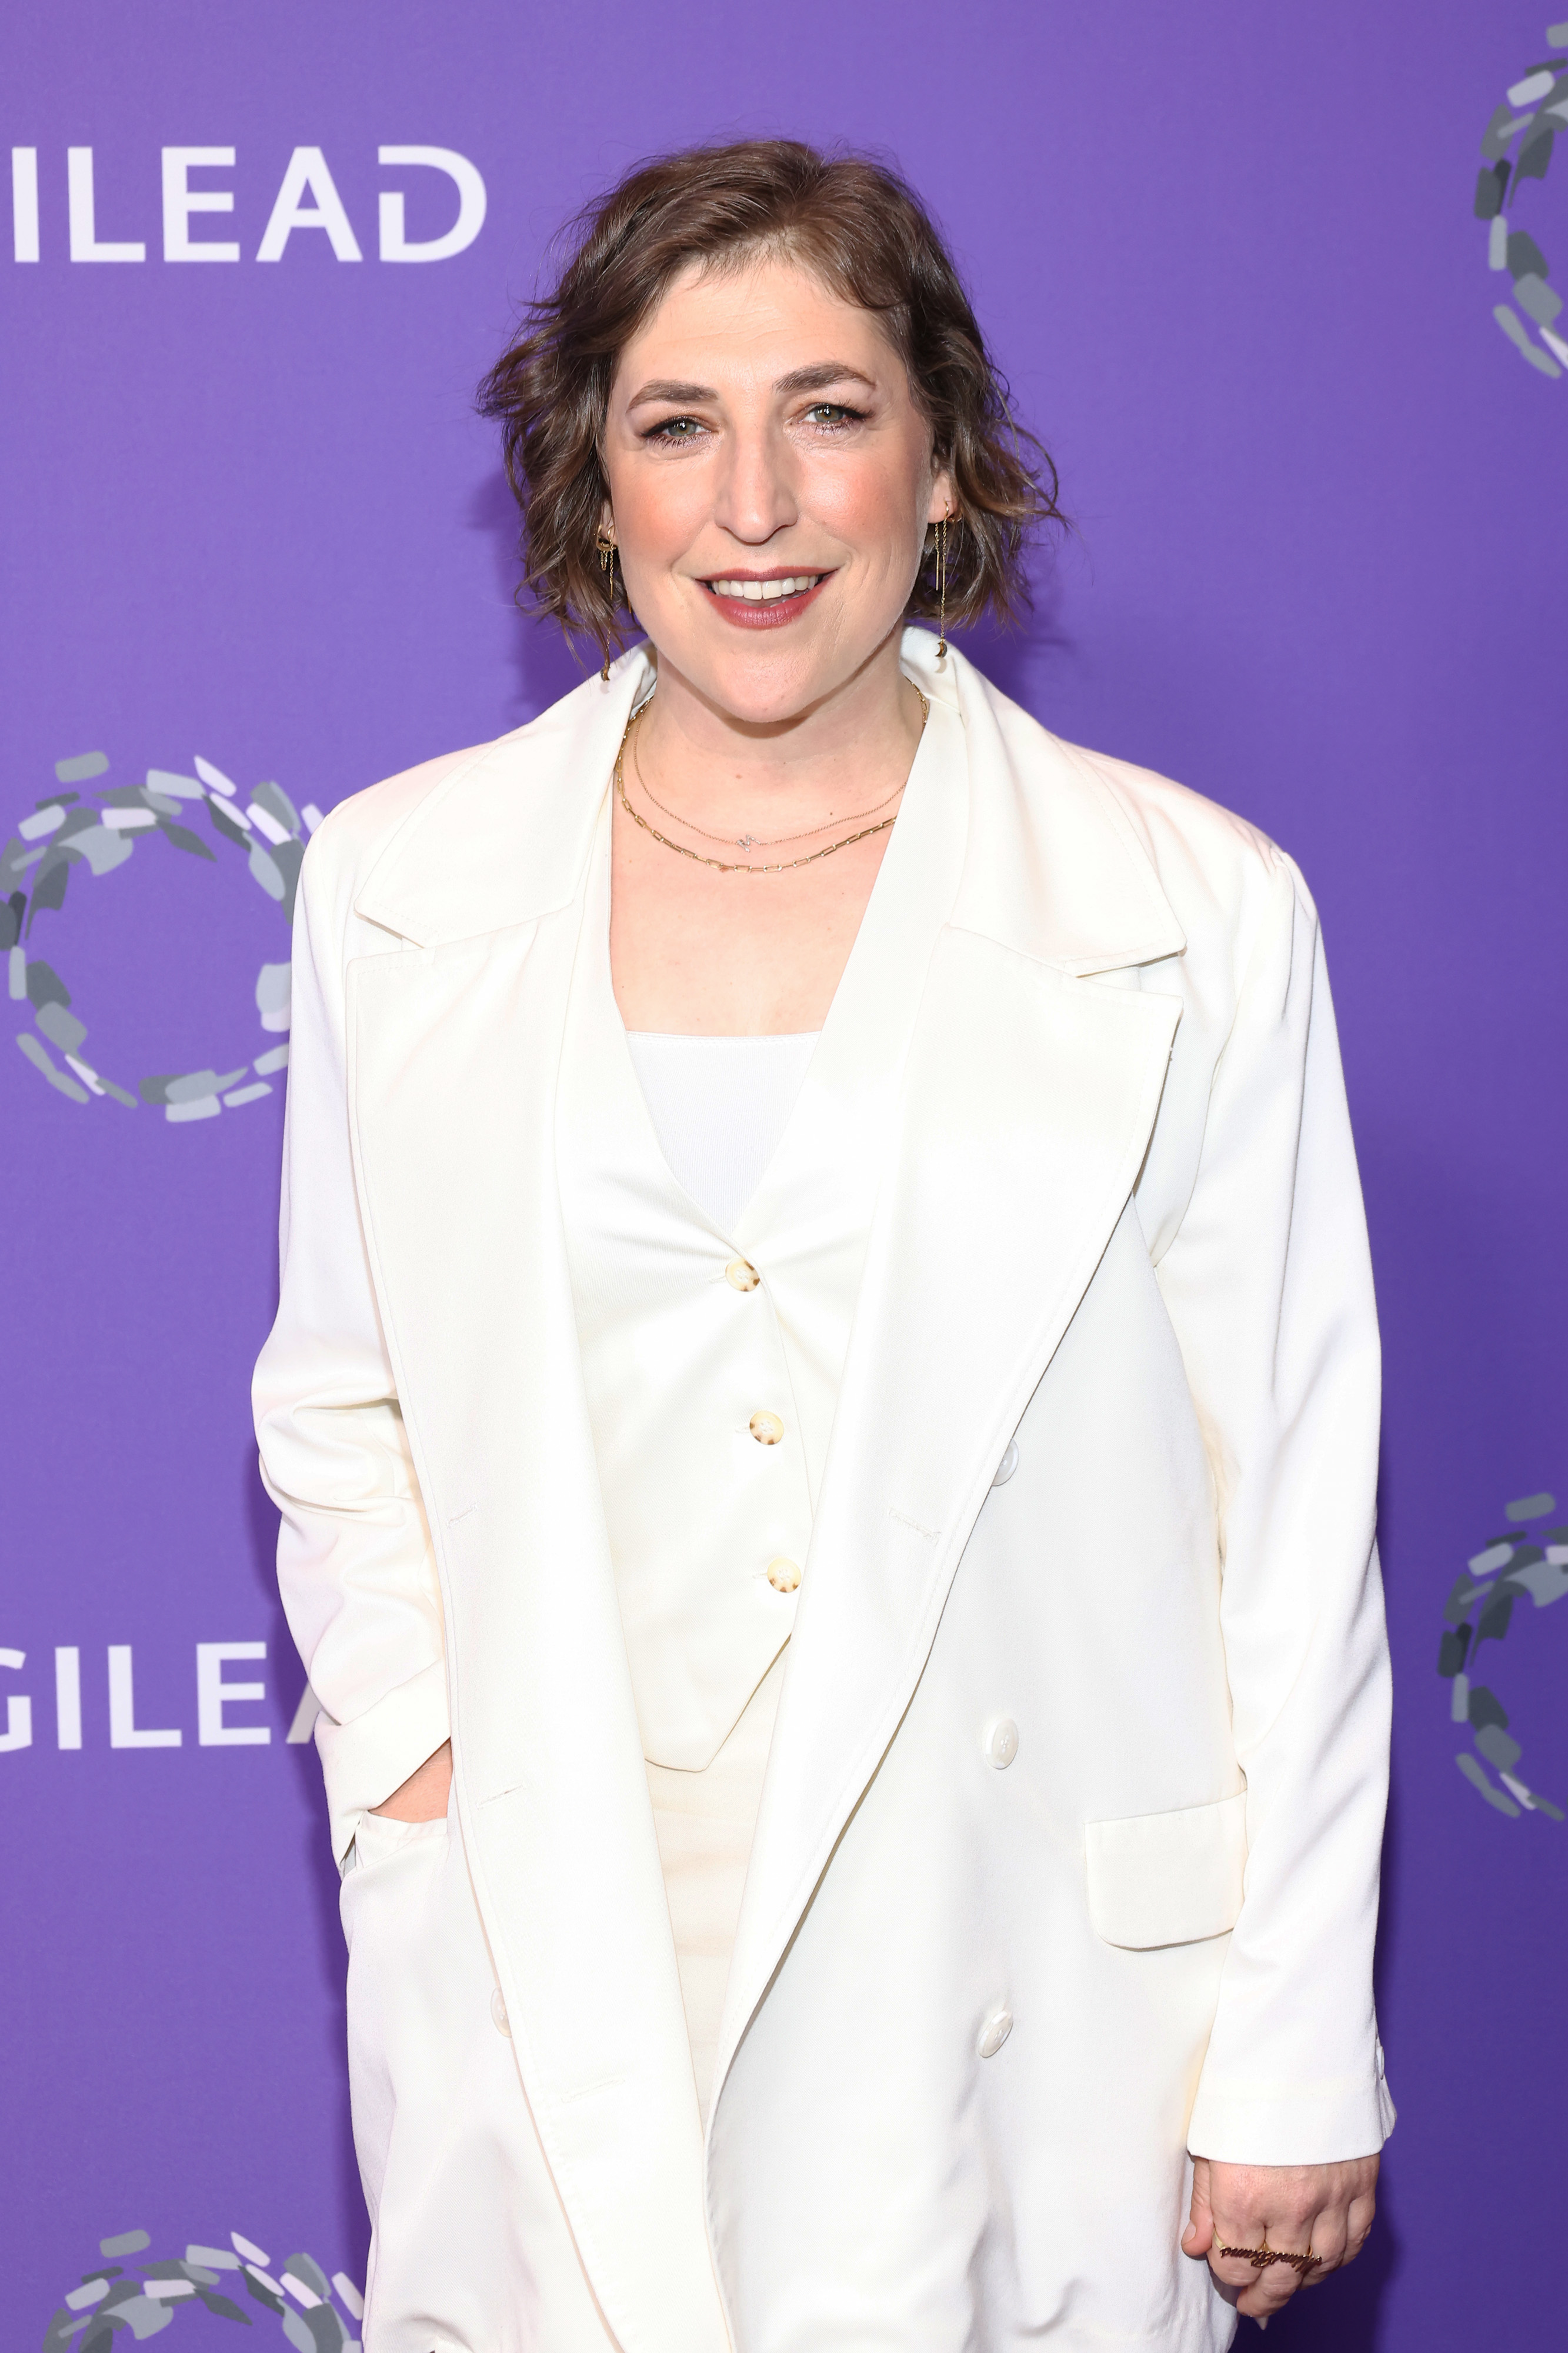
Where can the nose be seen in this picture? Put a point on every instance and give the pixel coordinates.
(756, 491)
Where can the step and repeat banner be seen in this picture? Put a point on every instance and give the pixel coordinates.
(1284, 295)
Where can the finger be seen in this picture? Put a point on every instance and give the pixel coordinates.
(1328, 2239)
(1270, 2294)
(1255, 2290)
(1199, 2236)
(1338, 2238)
(1236, 2234)
(1258, 2290)
(1339, 2234)
(1359, 2223)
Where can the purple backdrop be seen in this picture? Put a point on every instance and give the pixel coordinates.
(1312, 429)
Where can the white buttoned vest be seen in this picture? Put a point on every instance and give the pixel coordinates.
(712, 1360)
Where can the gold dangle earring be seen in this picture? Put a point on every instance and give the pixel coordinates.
(606, 546)
(942, 589)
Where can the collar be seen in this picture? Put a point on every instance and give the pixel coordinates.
(1054, 866)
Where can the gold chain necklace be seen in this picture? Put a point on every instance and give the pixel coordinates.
(719, 866)
(753, 840)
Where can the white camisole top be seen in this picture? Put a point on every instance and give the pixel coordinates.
(720, 1107)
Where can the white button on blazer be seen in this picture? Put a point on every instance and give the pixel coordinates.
(1121, 1217)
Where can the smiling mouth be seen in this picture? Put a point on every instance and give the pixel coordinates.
(766, 591)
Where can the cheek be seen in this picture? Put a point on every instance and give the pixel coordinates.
(659, 510)
(873, 507)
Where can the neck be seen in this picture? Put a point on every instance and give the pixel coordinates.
(744, 774)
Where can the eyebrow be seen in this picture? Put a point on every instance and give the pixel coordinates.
(806, 379)
(818, 378)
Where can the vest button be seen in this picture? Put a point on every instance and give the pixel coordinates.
(499, 2018)
(742, 1275)
(766, 1428)
(1008, 1464)
(783, 1576)
(993, 2032)
(1001, 1742)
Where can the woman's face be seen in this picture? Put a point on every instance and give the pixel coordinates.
(771, 485)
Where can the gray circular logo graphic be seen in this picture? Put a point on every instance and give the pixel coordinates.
(1529, 1562)
(1516, 149)
(240, 2282)
(84, 830)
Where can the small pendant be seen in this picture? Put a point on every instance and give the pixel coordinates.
(745, 841)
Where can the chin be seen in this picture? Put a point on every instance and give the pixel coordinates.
(764, 680)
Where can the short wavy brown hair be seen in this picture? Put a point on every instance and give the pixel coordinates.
(859, 228)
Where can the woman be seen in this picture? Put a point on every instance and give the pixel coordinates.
(824, 1405)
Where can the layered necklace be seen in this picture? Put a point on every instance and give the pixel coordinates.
(748, 840)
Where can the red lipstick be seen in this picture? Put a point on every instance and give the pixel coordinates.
(764, 613)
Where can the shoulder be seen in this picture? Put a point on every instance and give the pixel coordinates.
(1196, 844)
(352, 839)
(1217, 872)
(475, 838)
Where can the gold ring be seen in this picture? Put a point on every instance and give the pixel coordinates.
(1261, 2257)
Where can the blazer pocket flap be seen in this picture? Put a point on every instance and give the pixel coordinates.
(1168, 1879)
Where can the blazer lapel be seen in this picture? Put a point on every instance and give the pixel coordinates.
(1029, 1095)
(453, 1052)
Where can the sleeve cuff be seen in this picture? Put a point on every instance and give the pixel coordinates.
(1291, 2123)
(364, 1761)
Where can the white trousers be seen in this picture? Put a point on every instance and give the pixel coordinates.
(705, 1823)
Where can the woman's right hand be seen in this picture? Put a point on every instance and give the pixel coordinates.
(423, 1797)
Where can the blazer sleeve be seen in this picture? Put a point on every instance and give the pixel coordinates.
(355, 1563)
(1268, 1283)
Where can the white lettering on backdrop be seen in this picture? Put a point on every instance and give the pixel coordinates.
(308, 175)
(214, 1696)
(181, 200)
(86, 243)
(307, 198)
(394, 244)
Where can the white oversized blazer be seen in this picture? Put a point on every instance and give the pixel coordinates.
(1121, 1225)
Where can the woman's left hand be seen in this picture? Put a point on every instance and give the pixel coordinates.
(1291, 2208)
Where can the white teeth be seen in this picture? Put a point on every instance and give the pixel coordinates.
(766, 591)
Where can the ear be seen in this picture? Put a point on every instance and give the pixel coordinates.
(943, 503)
(606, 521)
